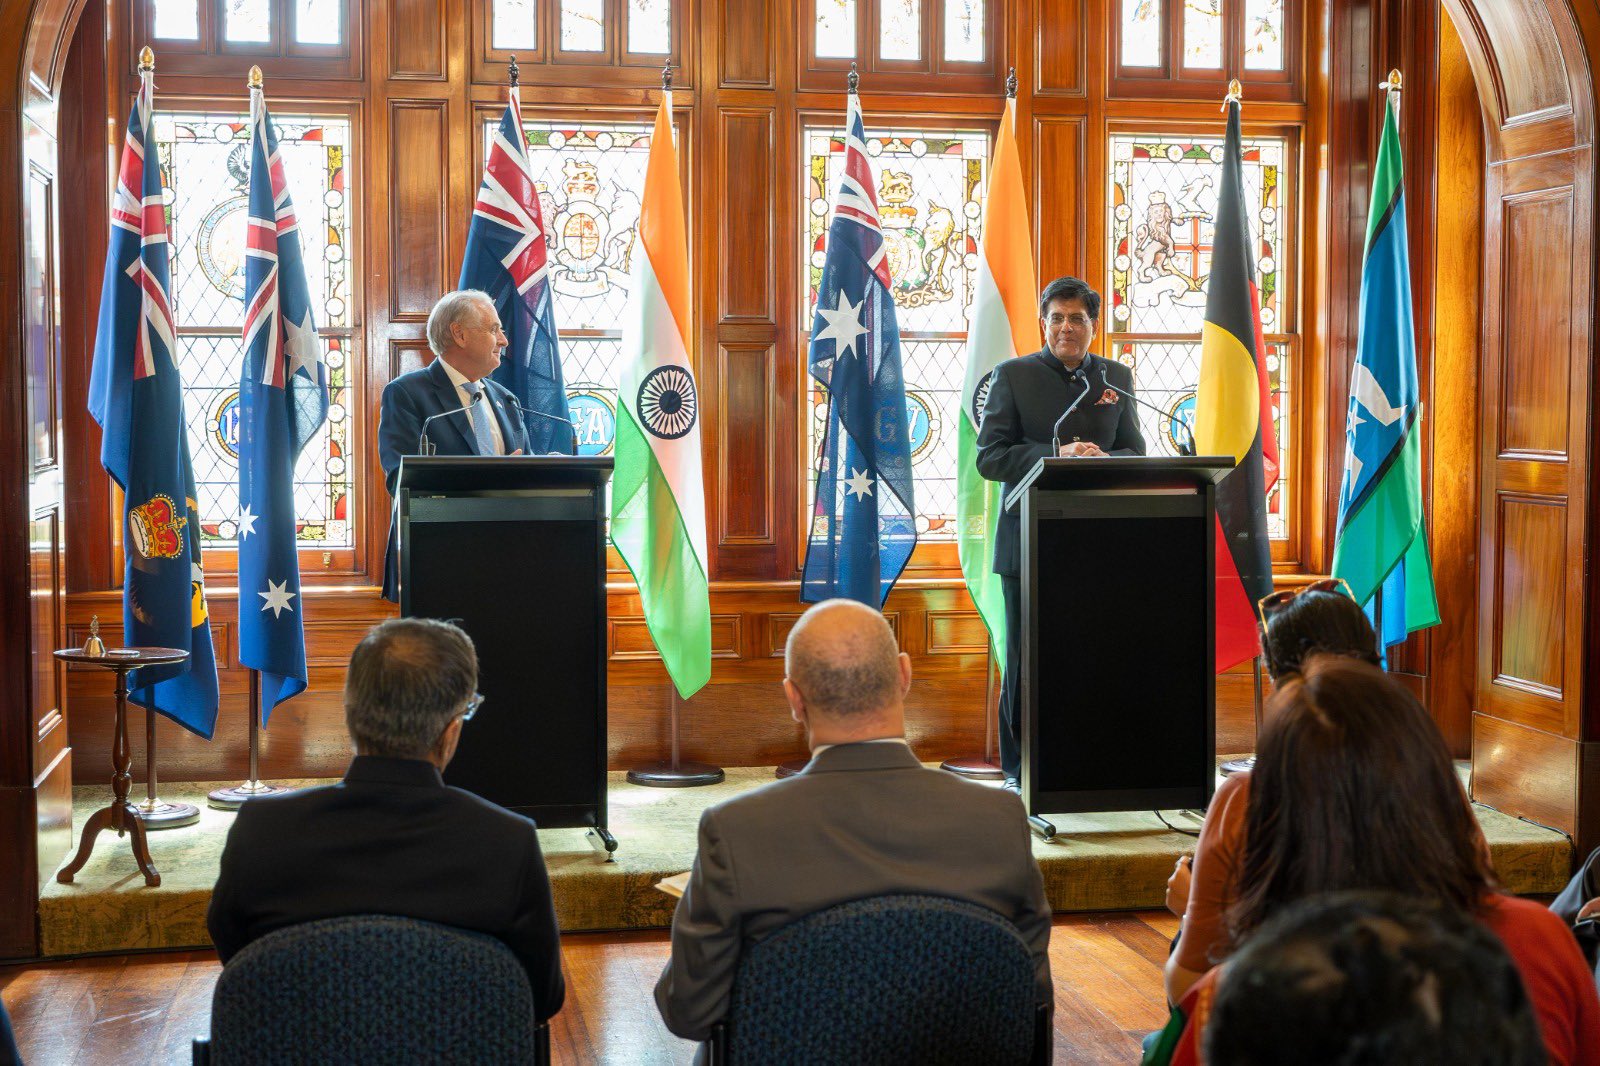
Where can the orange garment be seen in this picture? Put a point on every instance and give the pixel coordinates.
(1553, 970)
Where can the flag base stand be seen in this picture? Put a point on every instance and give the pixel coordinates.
(234, 796)
(981, 767)
(153, 812)
(1246, 763)
(675, 772)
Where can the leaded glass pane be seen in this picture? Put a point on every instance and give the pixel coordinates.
(1163, 199)
(900, 29)
(836, 29)
(1263, 34)
(317, 21)
(583, 25)
(177, 20)
(1141, 33)
(515, 25)
(930, 188)
(204, 157)
(247, 21)
(963, 31)
(1167, 374)
(1202, 34)
(650, 26)
(589, 177)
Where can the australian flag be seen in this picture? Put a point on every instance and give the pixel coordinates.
(506, 258)
(863, 528)
(136, 395)
(283, 399)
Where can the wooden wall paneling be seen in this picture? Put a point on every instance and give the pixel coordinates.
(1533, 397)
(1061, 46)
(1530, 642)
(416, 30)
(747, 44)
(1452, 422)
(418, 170)
(1064, 211)
(746, 445)
(1525, 771)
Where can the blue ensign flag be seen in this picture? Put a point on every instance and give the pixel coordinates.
(283, 399)
(864, 525)
(136, 394)
(507, 258)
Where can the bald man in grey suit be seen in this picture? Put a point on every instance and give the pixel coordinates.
(864, 818)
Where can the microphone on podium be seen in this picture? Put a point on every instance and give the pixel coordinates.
(572, 426)
(1187, 429)
(426, 446)
(1055, 432)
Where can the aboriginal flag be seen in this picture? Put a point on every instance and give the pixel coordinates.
(1233, 414)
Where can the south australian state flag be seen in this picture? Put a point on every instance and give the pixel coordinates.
(1233, 415)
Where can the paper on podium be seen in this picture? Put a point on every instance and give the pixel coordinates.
(674, 885)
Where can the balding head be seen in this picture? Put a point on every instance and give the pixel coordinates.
(844, 673)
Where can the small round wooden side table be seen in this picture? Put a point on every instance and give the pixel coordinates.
(121, 816)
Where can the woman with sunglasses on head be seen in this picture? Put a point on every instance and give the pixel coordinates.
(1353, 789)
(1295, 624)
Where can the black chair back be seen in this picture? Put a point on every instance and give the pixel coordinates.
(373, 989)
(886, 980)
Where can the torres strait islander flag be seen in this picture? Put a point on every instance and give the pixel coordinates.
(1233, 415)
(658, 514)
(1382, 547)
(1003, 325)
(136, 394)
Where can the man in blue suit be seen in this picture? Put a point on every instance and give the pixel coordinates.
(465, 336)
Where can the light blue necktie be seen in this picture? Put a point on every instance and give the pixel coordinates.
(479, 414)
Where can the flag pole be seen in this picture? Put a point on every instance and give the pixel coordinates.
(983, 767)
(676, 771)
(154, 812)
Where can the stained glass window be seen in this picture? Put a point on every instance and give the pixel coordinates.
(963, 30)
(1263, 34)
(1141, 33)
(205, 160)
(836, 29)
(1163, 199)
(650, 26)
(589, 177)
(583, 25)
(317, 21)
(900, 29)
(514, 24)
(247, 21)
(1202, 34)
(177, 20)
(930, 187)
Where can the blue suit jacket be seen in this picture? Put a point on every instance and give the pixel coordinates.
(410, 399)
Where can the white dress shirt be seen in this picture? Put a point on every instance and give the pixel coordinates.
(484, 409)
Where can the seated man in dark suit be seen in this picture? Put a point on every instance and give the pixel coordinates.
(465, 336)
(863, 819)
(392, 838)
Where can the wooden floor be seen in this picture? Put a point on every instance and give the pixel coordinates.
(130, 1009)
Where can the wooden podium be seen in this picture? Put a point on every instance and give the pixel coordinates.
(513, 549)
(1118, 633)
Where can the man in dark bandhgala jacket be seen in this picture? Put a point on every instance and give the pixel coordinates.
(392, 838)
(1027, 396)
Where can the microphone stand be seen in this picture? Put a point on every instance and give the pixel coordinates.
(1187, 429)
(1055, 431)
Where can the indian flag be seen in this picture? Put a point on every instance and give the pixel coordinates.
(658, 511)
(1003, 325)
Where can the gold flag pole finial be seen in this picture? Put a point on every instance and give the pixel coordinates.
(1235, 94)
(147, 60)
(1392, 83)
(255, 80)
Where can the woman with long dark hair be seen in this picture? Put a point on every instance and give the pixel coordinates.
(1353, 789)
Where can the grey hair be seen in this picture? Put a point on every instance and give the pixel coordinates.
(451, 308)
(847, 669)
(408, 678)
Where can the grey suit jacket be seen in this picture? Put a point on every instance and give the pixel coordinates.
(861, 820)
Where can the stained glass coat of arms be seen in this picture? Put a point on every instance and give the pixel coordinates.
(930, 203)
(206, 162)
